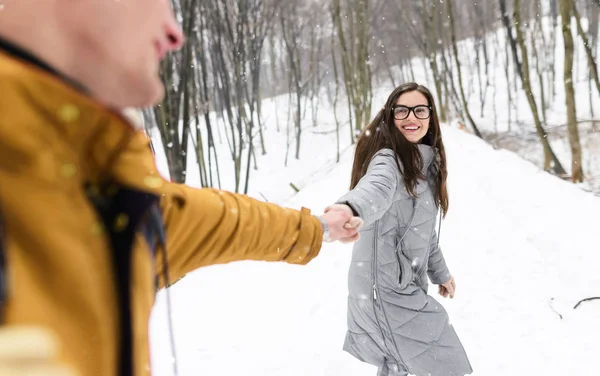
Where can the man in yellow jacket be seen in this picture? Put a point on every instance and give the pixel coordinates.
(88, 228)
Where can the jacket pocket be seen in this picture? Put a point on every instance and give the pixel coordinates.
(405, 272)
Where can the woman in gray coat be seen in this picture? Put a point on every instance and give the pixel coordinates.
(398, 186)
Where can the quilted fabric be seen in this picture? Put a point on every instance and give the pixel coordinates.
(391, 318)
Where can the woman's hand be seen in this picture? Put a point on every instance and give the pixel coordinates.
(354, 224)
(448, 288)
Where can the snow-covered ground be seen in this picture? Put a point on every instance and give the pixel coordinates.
(523, 245)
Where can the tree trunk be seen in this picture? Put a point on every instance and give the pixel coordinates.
(512, 42)
(511, 104)
(593, 68)
(566, 7)
(353, 35)
(292, 30)
(431, 47)
(318, 80)
(199, 143)
(449, 85)
(549, 156)
(202, 83)
(594, 27)
(460, 84)
(335, 99)
(539, 34)
(552, 54)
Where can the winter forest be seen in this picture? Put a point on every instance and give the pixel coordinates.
(268, 98)
(521, 75)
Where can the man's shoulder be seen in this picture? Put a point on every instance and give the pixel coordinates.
(15, 74)
(20, 89)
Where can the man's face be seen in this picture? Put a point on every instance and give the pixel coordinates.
(126, 40)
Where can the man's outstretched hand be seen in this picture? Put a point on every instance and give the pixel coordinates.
(342, 223)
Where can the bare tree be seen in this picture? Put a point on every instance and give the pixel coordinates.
(177, 74)
(550, 159)
(433, 48)
(566, 8)
(292, 30)
(593, 69)
(481, 51)
(227, 60)
(538, 34)
(335, 100)
(551, 50)
(260, 15)
(316, 56)
(202, 106)
(261, 20)
(353, 35)
(459, 71)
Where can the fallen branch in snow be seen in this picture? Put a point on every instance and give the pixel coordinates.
(580, 121)
(551, 307)
(550, 128)
(586, 300)
(322, 132)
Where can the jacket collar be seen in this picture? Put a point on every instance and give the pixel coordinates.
(27, 57)
(103, 144)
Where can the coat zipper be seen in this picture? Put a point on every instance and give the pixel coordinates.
(374, 267)
(415, 207)
(375, 290)
(374, 272)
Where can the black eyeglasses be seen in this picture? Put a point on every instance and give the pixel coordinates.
(421, 112)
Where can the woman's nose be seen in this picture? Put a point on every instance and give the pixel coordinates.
(411, 115)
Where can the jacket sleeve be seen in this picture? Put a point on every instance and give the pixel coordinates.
(437, 270)
(373, 194)
(209, 226)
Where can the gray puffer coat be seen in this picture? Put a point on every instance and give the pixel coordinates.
(391, 318)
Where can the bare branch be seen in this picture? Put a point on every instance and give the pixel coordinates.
(586, 299)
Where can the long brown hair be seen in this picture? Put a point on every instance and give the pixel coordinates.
(382, 133)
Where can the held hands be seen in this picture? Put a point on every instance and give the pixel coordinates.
(29, 351)
(448, 288)
(342, 223)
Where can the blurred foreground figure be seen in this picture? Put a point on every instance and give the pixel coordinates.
(89, 229)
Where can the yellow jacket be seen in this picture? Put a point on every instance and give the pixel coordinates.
(77, 182)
